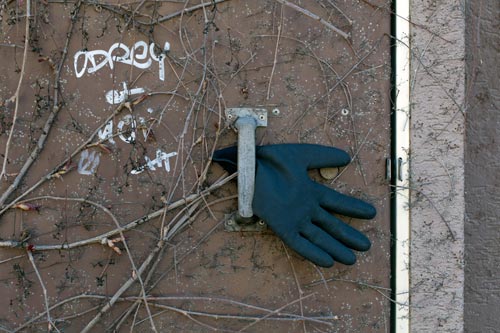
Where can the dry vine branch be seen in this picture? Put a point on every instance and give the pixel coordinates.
(172, 231)
(354, 156)
(321, 64)
(280, 26)
(134, 267)
(111, 233)
(431, 202)
(277, 311)
(184, 11)
(48, 124)
(339, 81)
(44, 290)
(204, 93)
(54, 171)
(189, 215)
(273, 315)
(297, 284)
(121, 290)
(16, 96)
(315, 17)
(10, 259)
(131, 280)
(360, 283)
(340, 11)
(183, 217)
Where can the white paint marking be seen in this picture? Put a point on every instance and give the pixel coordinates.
(144, 128)
(88, 162)
(128, 120)
(162, 159)
(137, 56)
(117, 97)
(107, 132)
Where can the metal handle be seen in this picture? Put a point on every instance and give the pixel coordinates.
(246, 164)
(247, 120)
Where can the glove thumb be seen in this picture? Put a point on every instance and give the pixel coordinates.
(227, 158)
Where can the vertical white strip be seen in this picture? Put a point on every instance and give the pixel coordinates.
(402, 123)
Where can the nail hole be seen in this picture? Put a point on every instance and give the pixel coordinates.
(345, 112)
(276, 112)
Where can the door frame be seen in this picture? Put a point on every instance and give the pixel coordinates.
(400, 215)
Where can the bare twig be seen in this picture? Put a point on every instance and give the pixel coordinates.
(320, 273)
(300, 299)
(360, 283)
(171, 231)
(203, 112)
(76, 315)
(421, 26)
(431, 202)
(3, 329)
(48, 124)
(12, 45)
(297, 283)
(135, 273)
(10, 259)
(339, 81)
(254, 318)
(168, 233)
(121, 290)
(50, 175)
(315, 17)
(340, 11)
(280, 26)
(44, 290)
(111, 233)
(271, 315)
(183, 216)
(16, 96)
(183, 11)
(354, 156)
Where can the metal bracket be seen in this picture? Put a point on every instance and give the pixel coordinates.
(260, 115)
(254, 224)
(245, 120)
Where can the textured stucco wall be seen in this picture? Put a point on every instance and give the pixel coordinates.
(482, 172)
(437, 166)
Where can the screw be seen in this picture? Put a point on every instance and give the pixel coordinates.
(262, 117)
(261, 223)
(276, 111)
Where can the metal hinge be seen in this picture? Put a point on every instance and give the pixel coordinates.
(398, 167)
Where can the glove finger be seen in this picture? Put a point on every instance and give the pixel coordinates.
(308, 250)
(227, 158)
(345, 205)
(333, 247)
(343, 232)
(317, 156)
(309, 156)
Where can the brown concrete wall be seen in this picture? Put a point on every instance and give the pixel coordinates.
(482, 168)
(437, 166)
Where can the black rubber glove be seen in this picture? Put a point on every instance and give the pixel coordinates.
(298, 209)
